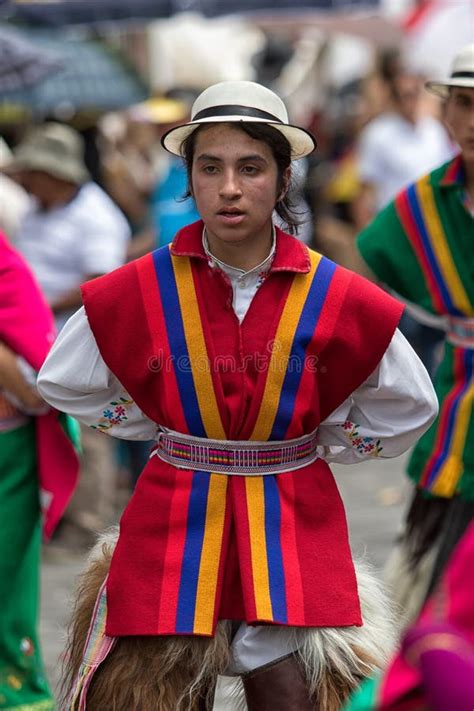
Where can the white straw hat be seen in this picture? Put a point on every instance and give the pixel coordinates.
(462, 73)
(232, 101)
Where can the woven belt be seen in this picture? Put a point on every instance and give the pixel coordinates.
(241, 457)
(461, 332)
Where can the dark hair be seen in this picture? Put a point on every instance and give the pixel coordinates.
(281, 151)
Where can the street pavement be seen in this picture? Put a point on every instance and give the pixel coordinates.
(375, 495)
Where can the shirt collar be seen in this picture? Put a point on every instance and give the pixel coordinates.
(262, 267)
(454, 177)
(290, 255)
(454, 173)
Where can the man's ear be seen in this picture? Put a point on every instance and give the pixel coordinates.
(286, 183)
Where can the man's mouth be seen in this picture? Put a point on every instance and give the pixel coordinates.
(230, 211)
(230, 216)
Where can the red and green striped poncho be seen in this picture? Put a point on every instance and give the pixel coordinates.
(422, 246)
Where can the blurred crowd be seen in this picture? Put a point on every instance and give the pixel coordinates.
(78, 204)
(81, 196)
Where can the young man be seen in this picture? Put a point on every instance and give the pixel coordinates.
(253, 362)
(421, 246)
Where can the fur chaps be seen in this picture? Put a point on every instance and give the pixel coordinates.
(180, 673)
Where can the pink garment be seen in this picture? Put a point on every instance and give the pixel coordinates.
(436, 663)
(27, 327)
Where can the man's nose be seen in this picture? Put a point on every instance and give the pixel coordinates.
(230, 185)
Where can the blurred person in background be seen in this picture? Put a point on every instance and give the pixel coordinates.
(38, 472)
(14, 200)
(394, 149)
(420, 245)
(150, 186)
(400, 144)
(128, 165)
(170, 207)
(72, 233)
(434, 669)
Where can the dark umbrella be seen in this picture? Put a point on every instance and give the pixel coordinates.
(93, 78)
(69, 12)
(22, 63)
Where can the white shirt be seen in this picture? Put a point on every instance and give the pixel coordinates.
(392, 153)
(244, 283)
(14, 204)
(64, 245)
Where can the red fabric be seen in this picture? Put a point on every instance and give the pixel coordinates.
(27, 327)
(320, 580)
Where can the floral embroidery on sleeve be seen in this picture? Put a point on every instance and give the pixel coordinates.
(365, 445)
(113, 415)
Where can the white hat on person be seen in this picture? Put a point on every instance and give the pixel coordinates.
(240, 101)
(462, 73)
(55, 149)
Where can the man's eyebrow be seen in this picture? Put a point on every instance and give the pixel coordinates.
(253, 157)
(209, 156)
(243, 159)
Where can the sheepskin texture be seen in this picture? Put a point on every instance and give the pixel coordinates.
(180, 673)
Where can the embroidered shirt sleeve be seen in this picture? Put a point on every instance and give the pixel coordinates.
(76, 380)
(385, 415)
(114, 414)
(368, 446)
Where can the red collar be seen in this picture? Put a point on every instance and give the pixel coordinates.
(454, 173)
(290, 254)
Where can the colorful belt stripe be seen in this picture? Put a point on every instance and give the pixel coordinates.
(241, 458)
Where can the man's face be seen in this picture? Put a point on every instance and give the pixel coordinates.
(407, 90)
(234, 183)
(40, 185)
(459, 116)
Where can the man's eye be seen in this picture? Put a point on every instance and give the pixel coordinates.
(209, 169)
(250, 169)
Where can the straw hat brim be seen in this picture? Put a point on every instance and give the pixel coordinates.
(65, 169)
(302, 143)
(441, 88)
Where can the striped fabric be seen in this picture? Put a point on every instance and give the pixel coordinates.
(263, 506)
(445, 467)
(196, 545)
(200, 506)
(98, 645)
(418, 213)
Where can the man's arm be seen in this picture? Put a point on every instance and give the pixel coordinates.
(13, 380)
(71, 300)
(340, 246)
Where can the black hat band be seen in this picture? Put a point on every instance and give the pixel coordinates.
(234, 110)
